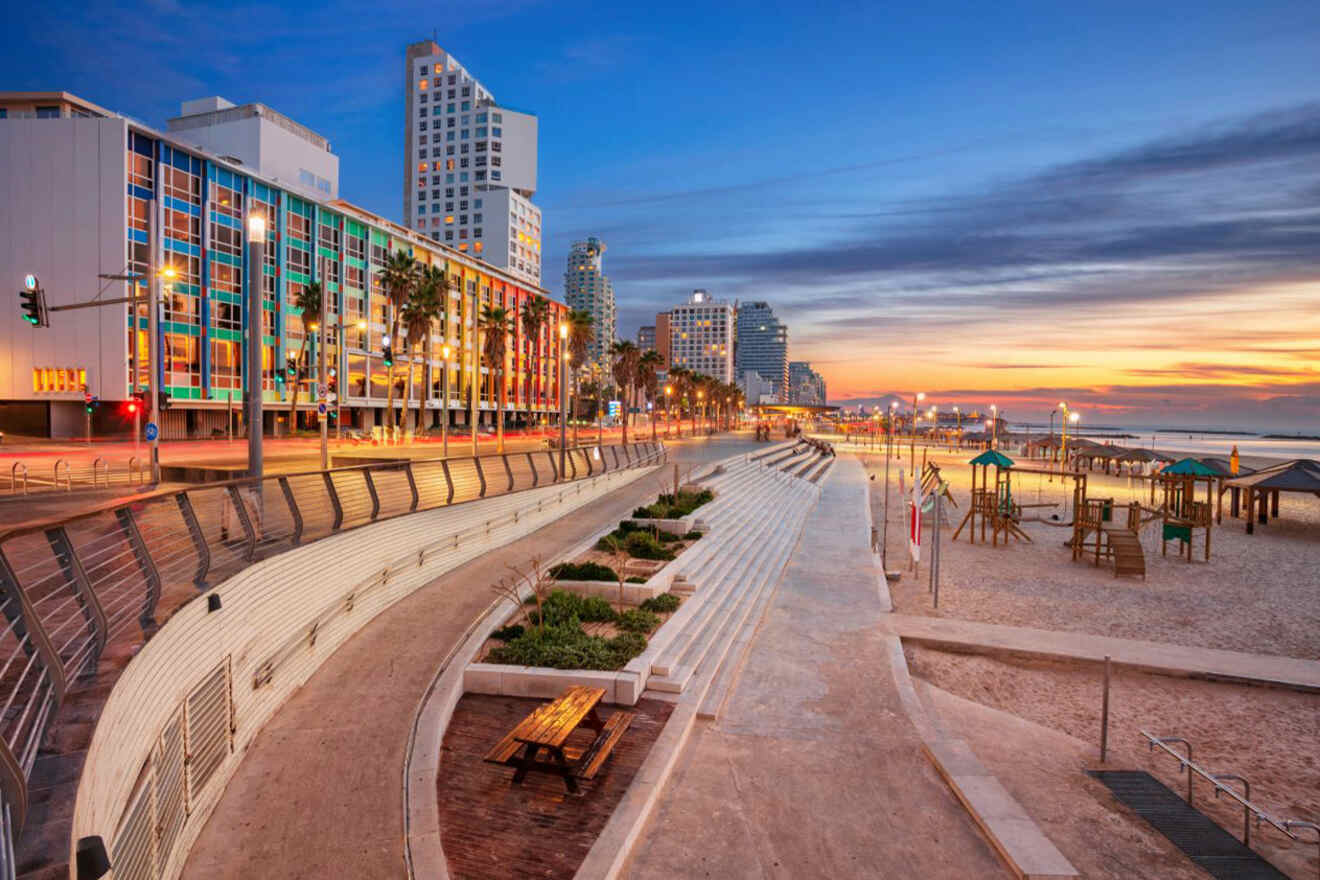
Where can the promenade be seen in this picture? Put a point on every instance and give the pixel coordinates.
(319, 793)
(814, 768)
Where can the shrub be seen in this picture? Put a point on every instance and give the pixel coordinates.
(637, 620)
(669, 507)
(635, 579)
(507, 633)
(586, 571)
(563, 607)
(693, 535)
(660, 604)
(613, 541)
(667, 537)
(640, 545)
(568, 647)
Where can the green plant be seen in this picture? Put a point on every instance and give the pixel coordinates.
(563, 607)
(635, 579)
(508, 633)
(637, 620)
(640, 545)
(567, 647)
(693, 535)
(667, 506)
(584, 571)
(667, 537)
(663, 603)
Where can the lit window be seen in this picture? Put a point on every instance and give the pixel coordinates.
(449, 219)
(422, 166)
(422, 84)
(477, 247)
(439, 68)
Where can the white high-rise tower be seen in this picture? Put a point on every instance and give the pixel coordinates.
(469, 165)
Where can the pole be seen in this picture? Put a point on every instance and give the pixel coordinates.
(322, 331)
(252, 375)
(153, 355)
(563, 409)
(444, 407)
(935, 548)
(884, 526)
(476, 375)
(229, 417)
(1104, 716)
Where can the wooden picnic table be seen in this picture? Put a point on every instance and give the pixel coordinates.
(549, 726)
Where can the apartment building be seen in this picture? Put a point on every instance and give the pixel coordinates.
(701, 336)
(762, 347)
(587, 287)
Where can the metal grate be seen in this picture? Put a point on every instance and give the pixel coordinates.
(208, 729)
(171, 795)
(135, 844)
(1219, 853)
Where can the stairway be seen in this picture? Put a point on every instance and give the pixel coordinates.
(1129, 558)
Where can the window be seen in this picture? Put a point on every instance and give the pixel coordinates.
(476, 218)
(481, 131)
(435, 153)
(422, 72)
(450, 93)
(449, 235)
(449, 206)
(462, 218)
(497, 117)
(449, 108)
(4, 113)
(423, 83)
(462, 163)
(466, 105)
(477, 231)
(421, 209)
(421, 99)
(435, 193)
(463, 190)
(449, 178)
(449, 164)
(421, 126)
(495, 131)
(449, 150)
(494, 175)
(453, 78)
(481, 147)
(48, 112)
(464, 135)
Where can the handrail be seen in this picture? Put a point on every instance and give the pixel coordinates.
(1250, 810)
(101, 462)
(99, 585)
(13, 477)
(134, 465)
(68, 475)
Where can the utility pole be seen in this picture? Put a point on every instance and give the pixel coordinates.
(444, 402)
(153, 358)
(252, 377)
(563, 393)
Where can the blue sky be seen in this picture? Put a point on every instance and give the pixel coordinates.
(894, 179)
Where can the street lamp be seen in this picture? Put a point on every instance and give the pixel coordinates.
(256, 262)
(916, 399)
(958, 415)
(994, 421)
(1063, 424)
(444, 402)
(701, 396)
(669, 415)
(563, 394)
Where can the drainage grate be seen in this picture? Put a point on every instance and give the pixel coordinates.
(1221, 854)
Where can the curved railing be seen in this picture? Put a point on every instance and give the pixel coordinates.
(71, 587)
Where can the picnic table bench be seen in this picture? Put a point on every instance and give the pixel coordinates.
(549, 727)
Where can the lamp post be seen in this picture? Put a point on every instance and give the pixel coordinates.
(563, 394)
(444, 404)
(701, 397)
(994, 420)
(916, 398)
(669, 415)
(1063, 426)
(256, 271)
(958, 415)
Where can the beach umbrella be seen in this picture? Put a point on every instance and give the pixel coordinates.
(993, 457)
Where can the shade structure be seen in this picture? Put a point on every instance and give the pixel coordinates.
(1189, 467)
(1136, 455)
(1298, 475)
(1224, 468)
(993, 457)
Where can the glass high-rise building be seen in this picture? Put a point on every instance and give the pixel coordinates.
(762, 345)
(587, 287)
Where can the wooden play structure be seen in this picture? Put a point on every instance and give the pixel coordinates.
(1180, 513)
(1098, 537)
(996, 508)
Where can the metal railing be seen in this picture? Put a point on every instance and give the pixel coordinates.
(70, 587)
(1249, 810)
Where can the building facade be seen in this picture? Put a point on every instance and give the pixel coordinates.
(762, 346)
(663, 340)
(89, 196)
(587, 287)
(805, 385)
(469, 165)
(646, 337)
(755, 389)
(701, 335)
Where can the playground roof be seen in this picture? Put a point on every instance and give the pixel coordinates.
(993, 457)
(1223, 467)
(1137, 455)
(1299, 475)
(1189, 467)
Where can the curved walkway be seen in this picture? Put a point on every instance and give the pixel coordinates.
(319, 793)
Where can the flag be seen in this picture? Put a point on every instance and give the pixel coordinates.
(914, 522)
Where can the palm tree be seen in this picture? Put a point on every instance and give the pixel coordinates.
(736, 400)
(535, 315)
(419, 315)
(497, 321)
(681, 379)
(400, 277)
(580, 334)
(308, 302)
(648, 380)
(626, 356)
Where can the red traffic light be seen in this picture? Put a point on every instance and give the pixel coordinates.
(132, 407)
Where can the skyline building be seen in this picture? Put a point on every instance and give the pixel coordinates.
(646, 337)
(762, 346)
(805, 385)
(701, 333)
(152, 200)
(587, 287)
(469, 165)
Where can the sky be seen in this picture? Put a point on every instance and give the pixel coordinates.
(1115, 204)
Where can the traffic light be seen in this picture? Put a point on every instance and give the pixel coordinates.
(291, 369)
(91, 404)
(162, 400)
(388, 356)
(32, 300)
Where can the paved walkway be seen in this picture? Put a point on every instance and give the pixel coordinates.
(1158, 657)
(319, 793)
(814, 769)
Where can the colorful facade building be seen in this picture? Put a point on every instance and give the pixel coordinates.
(97, 194)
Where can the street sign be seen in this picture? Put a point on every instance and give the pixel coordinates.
(87, 397)
(321, 408)
(320, 391)
(152, 431)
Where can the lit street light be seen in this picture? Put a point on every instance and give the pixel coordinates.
(444, 402)
(563, 394)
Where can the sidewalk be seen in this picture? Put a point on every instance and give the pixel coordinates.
(319, 793)
(814, 769)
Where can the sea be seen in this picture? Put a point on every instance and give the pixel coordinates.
(1194, 442)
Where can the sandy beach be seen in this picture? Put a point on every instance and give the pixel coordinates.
(1258, 593)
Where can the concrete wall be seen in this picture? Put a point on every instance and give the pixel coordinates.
(62, 218)
(520, 145)
(269, 612)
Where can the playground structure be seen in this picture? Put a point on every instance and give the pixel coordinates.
(996, 509)
(1180, 513)
(1096, 535)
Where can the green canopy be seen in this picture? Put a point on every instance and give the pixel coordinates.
(994, 457)
(1189, 466)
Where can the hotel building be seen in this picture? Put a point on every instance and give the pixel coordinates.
(646, 337)
(90, 193)
(469, 165)
(762, 346)
(805, 385)
(588, 288)
(701, 336)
